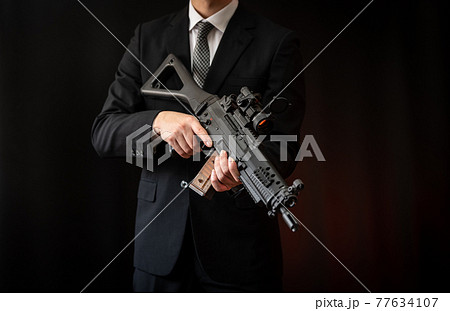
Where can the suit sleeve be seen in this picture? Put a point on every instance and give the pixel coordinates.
(286, 64)
(122, 112)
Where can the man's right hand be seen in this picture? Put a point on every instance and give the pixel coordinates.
(179, 130)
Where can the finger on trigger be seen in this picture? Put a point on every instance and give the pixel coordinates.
(203, 134)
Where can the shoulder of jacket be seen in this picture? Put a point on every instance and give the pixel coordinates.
(160, 22)
(264, 24)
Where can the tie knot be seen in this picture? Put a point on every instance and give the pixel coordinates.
(204, 28)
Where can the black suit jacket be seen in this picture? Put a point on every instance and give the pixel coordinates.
(235, 240)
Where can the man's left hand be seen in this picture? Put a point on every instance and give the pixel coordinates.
(225, 174)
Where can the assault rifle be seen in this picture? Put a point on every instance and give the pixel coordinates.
(237, 121)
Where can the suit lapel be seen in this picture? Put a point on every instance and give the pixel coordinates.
(178, 38)
(234, 41)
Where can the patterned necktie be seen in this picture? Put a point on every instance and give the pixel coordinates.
(200, 64)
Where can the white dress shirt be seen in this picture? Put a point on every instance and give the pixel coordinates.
(219, 20)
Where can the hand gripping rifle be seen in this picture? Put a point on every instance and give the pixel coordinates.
(241, 120)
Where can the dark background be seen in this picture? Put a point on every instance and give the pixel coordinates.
(377, 104)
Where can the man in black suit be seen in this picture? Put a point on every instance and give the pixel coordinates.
(226, 244)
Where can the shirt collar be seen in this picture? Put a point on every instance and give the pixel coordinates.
(219, 20)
